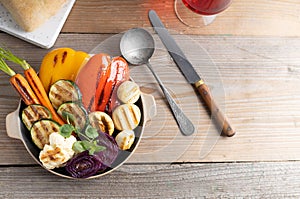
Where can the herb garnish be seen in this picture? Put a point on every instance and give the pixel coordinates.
(89, 134)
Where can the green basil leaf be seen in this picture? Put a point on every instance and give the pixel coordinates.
(86, 144)
(94, 147)
(66, 130)
(91, 132)
(78, 147)
(99, 148)
(91, 151)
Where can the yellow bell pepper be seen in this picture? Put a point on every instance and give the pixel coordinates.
(61, 63)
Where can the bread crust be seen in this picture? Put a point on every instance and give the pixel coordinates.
(30, 14)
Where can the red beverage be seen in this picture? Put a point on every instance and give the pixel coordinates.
(207, 7)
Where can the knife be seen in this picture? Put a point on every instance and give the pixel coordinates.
(190, 74)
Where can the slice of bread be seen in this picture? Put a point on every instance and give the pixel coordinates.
(30, 14)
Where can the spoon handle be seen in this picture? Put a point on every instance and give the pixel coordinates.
(185, 125)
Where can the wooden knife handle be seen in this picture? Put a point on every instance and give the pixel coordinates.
(220, 119)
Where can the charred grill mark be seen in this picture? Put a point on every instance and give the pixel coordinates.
(78, 114)
(53, 155)
(48, 128)
(97, 100)
(34, 113)
(23, 91)
(65, 53)
(92, 101)
(56, 96)
(101, 124)
(28, 115)
(118, 121)
(68, 90)
(128, 118)
(133, 114)
(44, 126)
(55, 61)
(63, 91)
(115, 82)
(35, 110)
(33, 84)
(54, 129)
(41, 131)
(101, 95)
(110, 76)
(38, 135)
(105, 125)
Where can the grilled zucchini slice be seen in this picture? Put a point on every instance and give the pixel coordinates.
(64, 91)
(74, 114)
(34, 113)
(41, 130)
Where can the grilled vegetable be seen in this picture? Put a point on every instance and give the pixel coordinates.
(64, 91)
(61, 63)
(109, 155)
(41, 130)
(125, 139)
(83, 165)
(39, 90)
(74, 114)
(20, 84)
(115, 74)
(58, 151)
(33, 81)
(129, 92)
(126, 117)
(89, 77)
(102, 121)
(34, 113)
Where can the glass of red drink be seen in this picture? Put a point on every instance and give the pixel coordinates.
(190, 12)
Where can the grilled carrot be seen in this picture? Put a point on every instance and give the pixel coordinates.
(34, 81)
(20, 84)
(39, 90)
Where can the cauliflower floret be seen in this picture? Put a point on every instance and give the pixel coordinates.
(58, 152)
(53, 157)
(55, 139)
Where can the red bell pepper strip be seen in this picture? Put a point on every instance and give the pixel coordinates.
(110, 80)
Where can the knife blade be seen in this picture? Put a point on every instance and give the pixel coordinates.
(190, 74)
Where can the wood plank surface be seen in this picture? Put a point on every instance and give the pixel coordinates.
(254, 79)
(249, 57)
(219, 180)
(243, 17)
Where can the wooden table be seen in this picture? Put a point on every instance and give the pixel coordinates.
(252, 65)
